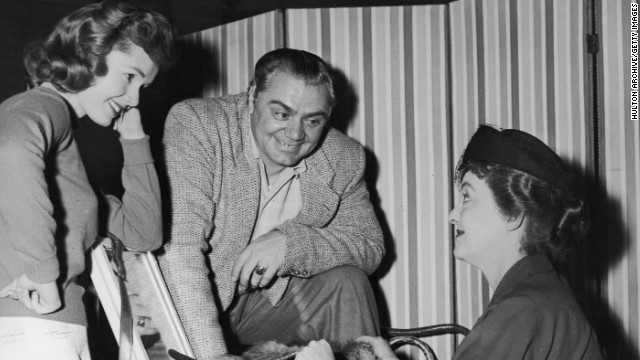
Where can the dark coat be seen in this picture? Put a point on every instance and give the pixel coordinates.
(533, 315)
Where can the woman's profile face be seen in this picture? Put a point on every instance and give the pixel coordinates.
(480, 230)
(120, 87)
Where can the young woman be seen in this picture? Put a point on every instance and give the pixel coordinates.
(93, 64)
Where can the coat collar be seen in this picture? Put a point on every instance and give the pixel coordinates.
(525, 268)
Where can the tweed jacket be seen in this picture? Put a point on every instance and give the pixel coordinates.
(214, 187)
(532, 315)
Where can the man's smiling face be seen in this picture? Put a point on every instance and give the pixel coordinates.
(287, 120)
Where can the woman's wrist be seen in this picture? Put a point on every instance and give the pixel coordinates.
(133, 135)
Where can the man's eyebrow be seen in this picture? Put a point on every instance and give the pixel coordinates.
(287, 108)
(278, 102)
(317, 113)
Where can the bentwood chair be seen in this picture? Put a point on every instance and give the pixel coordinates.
(399, 337)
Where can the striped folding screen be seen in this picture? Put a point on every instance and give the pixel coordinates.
(518, 64)
(227, 54)
(395, 60)
(620, 173)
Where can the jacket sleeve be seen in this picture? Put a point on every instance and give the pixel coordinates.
(352, 236)
(26, 211)
(137, 219)
(521, 329)
(189, 158)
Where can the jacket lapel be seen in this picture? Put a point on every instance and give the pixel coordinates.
(245, 188)
(319, 201)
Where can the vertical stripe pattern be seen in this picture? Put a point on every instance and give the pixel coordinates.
(395, 61)
(517, 64)
(232, 50)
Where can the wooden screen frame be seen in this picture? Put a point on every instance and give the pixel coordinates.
(106, 285)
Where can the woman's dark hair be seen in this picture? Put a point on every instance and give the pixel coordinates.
(554, 221)
(297, 63)
(75, 51)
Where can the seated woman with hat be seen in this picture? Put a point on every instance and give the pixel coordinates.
(520, 209)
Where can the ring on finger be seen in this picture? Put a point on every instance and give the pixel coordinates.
(259, 270)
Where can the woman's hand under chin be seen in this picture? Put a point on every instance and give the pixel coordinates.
(129, 124)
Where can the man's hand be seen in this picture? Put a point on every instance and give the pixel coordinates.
(129, 124)
(41, 298)
(266, 251)
(316, 350)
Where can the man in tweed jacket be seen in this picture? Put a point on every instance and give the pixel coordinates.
(272, 233)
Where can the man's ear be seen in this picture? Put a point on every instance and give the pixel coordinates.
(251, 98)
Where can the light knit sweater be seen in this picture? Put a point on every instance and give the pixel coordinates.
(137, 218)
(48, 210)
(214, 185)
(133, 215)
(42, 116)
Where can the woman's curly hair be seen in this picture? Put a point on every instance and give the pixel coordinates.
(554, 221)
(75, 51)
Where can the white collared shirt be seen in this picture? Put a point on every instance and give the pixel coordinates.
(279, 201)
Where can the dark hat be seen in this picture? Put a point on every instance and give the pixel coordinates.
(518, 150)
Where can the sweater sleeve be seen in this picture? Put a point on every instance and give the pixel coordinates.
(190, 173)
(137, 219)
(26, 211)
